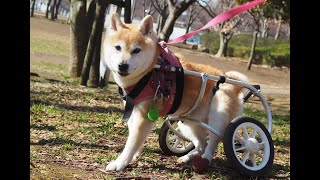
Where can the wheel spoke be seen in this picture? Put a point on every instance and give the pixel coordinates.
(245, 133)
(240, 139)
(253, 160)
(173, 138)
(259, 154)
(253, 135)
(184, 144)
(261, 145)
(241, 148)
(245, 156)
(176, 143)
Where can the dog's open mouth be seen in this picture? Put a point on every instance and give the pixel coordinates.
(123, 73)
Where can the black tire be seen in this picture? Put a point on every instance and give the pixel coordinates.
(228, 142)
(163, 141)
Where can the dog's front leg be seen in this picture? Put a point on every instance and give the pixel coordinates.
(139, 129)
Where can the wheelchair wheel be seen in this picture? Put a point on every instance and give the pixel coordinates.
(172, 144)
(248, 145)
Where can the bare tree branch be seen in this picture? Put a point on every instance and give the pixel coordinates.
(207, 8)
(157, 6)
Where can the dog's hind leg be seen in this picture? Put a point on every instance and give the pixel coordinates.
(139, 130)
(197, 135)
(222, 111)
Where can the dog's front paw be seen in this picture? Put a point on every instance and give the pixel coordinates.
(184, 159)
(116, 166)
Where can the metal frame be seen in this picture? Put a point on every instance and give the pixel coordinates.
(205, 78)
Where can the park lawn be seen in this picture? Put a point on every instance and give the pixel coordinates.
(75, 131)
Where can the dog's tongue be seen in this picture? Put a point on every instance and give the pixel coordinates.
(200, 164)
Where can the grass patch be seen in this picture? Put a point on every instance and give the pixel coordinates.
(73, 126)
(268, 51)
(83, 124)
(46, 38)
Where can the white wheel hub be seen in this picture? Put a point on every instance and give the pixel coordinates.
(251, 146)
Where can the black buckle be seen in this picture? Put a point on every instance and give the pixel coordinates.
(216, 87)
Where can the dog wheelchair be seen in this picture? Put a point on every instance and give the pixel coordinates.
(247, 142)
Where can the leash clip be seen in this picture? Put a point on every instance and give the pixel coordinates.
(157, 93)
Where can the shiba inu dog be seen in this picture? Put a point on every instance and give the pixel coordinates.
(131, 51)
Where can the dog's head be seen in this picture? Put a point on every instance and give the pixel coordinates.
(130, 49)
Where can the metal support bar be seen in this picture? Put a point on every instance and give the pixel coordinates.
(204, 78)
(214, 131)
(175, 131)
(240, 83)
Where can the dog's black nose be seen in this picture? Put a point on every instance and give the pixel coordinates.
(123, 67)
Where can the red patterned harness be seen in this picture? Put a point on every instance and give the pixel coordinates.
(168, 83)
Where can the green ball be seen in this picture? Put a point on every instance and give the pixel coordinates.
(153, 115)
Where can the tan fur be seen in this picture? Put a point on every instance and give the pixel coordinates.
(217, 111)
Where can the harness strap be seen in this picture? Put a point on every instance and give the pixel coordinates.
(179, 90)
(216, 87)
(129, 98)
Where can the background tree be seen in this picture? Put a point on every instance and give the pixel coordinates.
(170, 11)
(225, 29)
(193, 14)
(281, 13)
(267, 10)
(57, 9)
(33, 2)
(52, 10)
(92, 58)
(257, 14)
(79, 36)
(48, 7)
(86, 33)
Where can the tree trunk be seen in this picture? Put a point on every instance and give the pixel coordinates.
(91, 10)
(57, 9)
(52, 9)
(253, 49)
(127, 11)
(133, 9)
(168, 26)
(224, 41)
(144, 8)
(47, 11)
(78, 36)
(278, 30)
(95, 66)
(93, 42)
(222, 45)
(175, 10)
(159, 21)
(32, 8)
(188, 25)
(264, 28)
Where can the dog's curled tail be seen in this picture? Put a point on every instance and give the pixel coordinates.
(238, 76)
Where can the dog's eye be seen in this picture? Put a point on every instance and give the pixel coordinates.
(118, 48)
(136, 51)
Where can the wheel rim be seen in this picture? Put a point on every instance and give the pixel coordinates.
(251, 146)
(175, 143)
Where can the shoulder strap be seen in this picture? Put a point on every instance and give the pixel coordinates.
(133, 94)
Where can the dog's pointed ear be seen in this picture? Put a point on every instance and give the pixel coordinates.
(115, 22)
(146, 25)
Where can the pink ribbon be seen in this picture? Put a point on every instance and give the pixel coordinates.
(219, 19)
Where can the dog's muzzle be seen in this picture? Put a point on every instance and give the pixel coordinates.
(123, 69)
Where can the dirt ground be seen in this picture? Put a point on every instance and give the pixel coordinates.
(274, 81)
